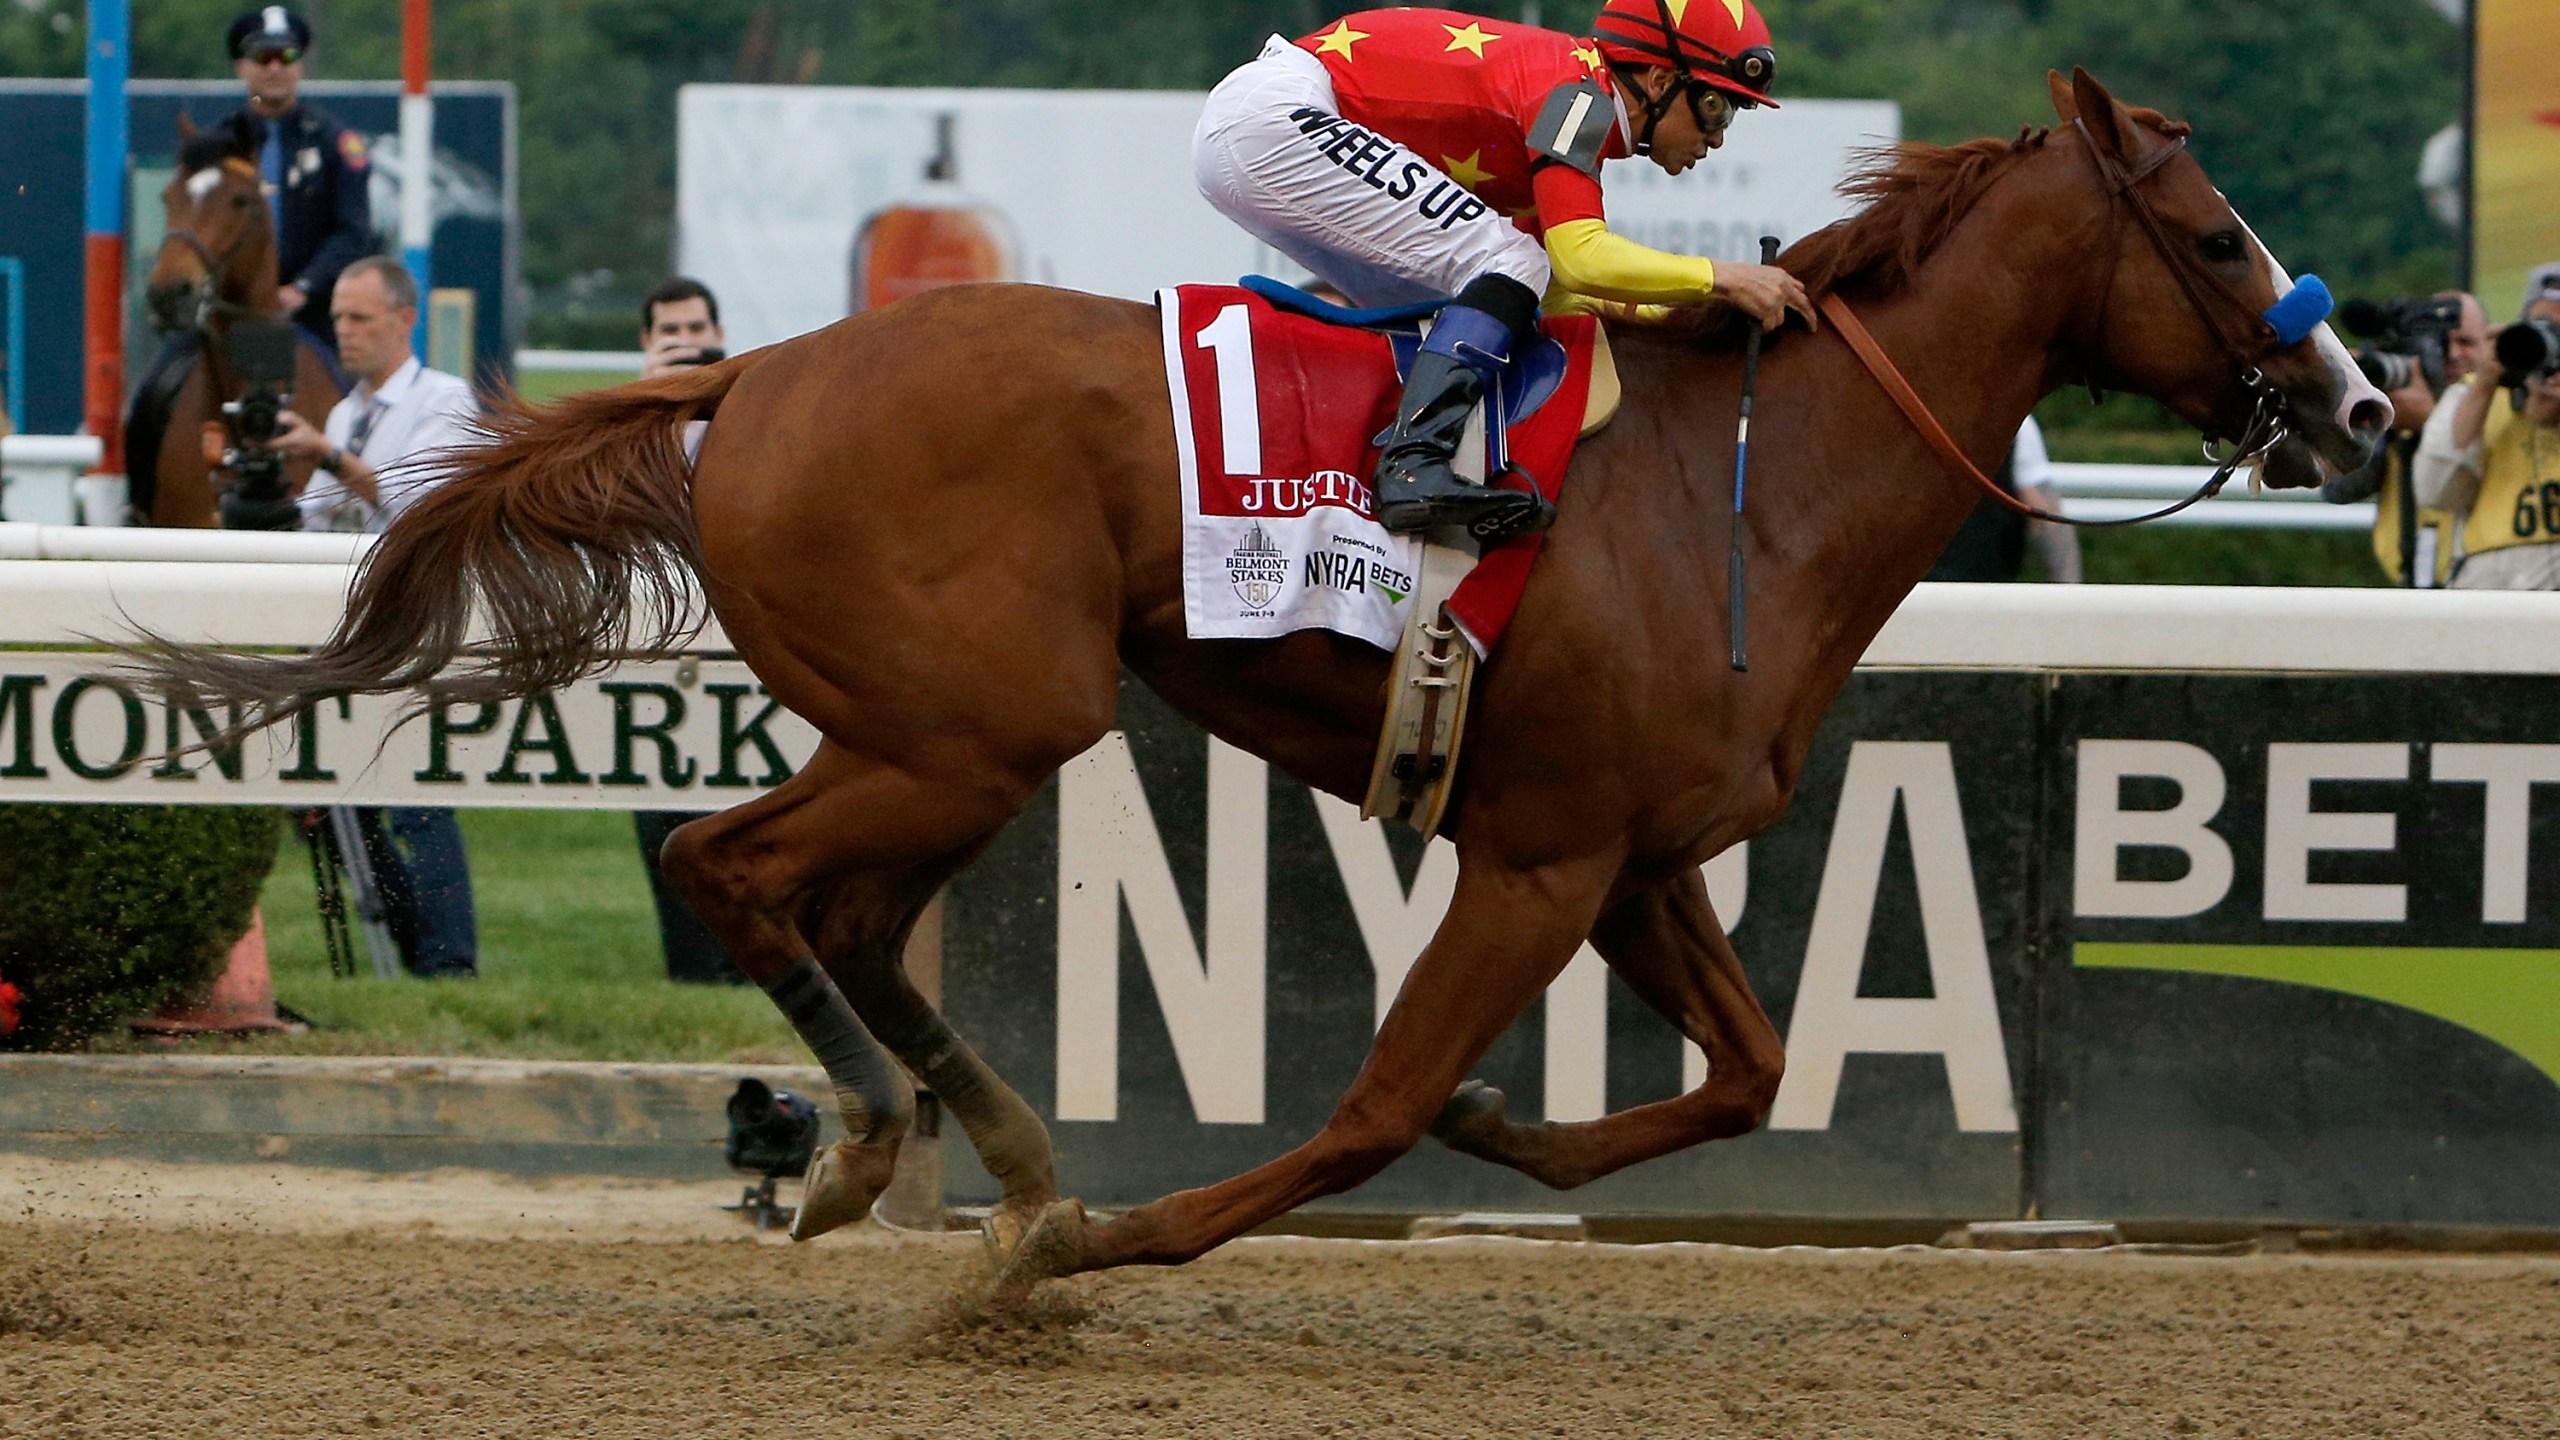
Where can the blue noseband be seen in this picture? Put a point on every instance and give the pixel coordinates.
(2301, 310)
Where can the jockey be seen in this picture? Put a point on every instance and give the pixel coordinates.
(1405, 155)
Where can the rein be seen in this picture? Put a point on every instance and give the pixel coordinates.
(2266, 427)
(2245, 342)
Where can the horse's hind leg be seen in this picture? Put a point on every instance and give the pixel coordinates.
(862, 940)
(1667, 944)
(750, 872)
(1508, 934)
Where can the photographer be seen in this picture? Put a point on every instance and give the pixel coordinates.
(371, 458)
(2497, 466)
(680, 326)
(2419, 348)
(376, 458)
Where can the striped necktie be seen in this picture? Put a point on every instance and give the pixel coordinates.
(363, 430)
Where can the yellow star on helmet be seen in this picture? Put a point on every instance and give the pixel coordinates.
(1466, 172)
(1339, 40)
(1471, 39)
(1680, 9)
(1589, 55)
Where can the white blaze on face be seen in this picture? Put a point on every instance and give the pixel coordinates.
(201, 183)
(2345, 380)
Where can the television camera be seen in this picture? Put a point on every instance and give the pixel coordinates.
(261, 356)
(773, 1134)
(2408, 338)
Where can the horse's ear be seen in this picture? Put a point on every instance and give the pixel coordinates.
(2064, 106)
(2098, 111)
(186, 127)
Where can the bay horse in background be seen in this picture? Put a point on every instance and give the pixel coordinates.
(216, 267)
(938, 532)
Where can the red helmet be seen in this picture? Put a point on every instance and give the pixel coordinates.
(1723, 43)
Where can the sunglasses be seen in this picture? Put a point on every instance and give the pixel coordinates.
(274, 57)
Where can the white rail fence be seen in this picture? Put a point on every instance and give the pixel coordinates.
(698, 731)
(2118, 492)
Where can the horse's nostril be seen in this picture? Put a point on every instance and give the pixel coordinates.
(2369, 417)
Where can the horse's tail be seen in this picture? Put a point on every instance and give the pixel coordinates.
(569, 534)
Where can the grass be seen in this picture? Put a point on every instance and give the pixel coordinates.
(570, 965)
(544, 386)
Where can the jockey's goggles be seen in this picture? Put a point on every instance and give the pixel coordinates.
(1712, 106)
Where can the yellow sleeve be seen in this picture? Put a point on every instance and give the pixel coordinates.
(1588, 260)
(1560, 301)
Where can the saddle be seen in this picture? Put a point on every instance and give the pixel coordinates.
(1432, 681)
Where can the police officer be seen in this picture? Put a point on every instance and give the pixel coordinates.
(314, 167)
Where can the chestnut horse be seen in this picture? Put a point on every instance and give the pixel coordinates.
(938, 532)
(216, 266)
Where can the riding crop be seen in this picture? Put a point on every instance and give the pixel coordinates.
(1741, 463)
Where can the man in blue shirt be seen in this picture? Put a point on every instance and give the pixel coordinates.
(315, 168)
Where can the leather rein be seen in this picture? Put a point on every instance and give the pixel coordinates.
(2244, 341)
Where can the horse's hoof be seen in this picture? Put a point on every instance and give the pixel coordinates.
(1052, 1243)
(843, 1181)
(1474, 1118)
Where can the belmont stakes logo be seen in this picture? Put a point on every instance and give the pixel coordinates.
(1257, 568)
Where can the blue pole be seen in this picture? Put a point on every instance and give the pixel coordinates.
(110, 33)
(13, 274)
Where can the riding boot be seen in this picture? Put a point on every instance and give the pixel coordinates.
(1459, 364)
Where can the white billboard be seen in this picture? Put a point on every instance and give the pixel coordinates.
(773, 182)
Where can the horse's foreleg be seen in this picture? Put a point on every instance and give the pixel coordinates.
(862, 940)
(1508, 934)
(748, 872)
(1667, 944)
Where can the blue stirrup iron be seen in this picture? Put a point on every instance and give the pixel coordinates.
(2301, 310)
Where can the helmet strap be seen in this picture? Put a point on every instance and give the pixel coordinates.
(1652, 106)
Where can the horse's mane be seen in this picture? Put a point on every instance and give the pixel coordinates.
(1916, 194)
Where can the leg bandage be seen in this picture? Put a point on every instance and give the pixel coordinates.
(1010, 1140)
(871, 1091)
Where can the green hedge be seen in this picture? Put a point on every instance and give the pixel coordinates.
(108, 911)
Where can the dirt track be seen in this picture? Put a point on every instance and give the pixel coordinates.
(248, 1303)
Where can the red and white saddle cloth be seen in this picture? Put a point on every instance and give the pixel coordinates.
(1275, 418)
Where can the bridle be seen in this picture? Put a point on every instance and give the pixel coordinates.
(2246, 338)
(212, 304)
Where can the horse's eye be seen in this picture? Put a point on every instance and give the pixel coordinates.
(2221, 247)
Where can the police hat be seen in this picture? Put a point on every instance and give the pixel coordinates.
(269, 27)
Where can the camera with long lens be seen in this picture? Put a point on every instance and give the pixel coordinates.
(2409, 338)
(2529, 349)
(262, 357)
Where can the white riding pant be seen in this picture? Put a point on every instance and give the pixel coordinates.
(1373, 218)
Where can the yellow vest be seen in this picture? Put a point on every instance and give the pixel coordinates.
(2519, 501)
(2386, 527)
